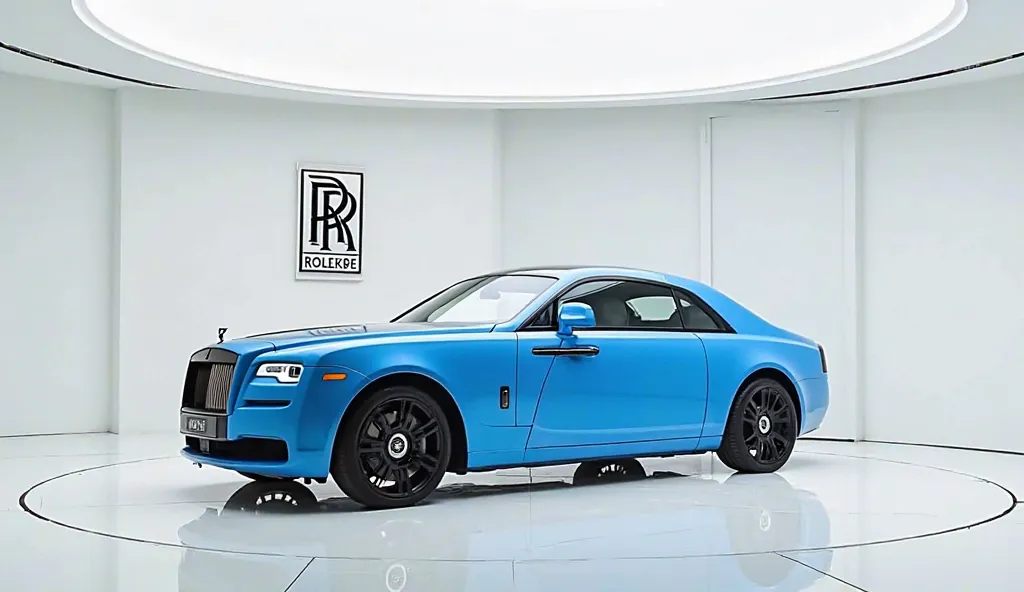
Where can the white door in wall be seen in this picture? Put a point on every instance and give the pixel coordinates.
(777, 231)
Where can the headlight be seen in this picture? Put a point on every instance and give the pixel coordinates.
(287, 373)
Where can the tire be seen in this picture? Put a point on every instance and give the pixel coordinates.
(761, 429)
(393, 450)
(263, 478)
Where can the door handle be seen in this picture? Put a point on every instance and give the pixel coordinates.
(586, 350)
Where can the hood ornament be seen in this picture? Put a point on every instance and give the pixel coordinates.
(220, 334)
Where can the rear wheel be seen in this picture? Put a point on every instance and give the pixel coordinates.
(761, 429)
(393, 451)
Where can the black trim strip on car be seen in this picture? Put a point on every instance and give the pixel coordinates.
(203, 412)
(898, 82)
(64, 64)
(693, 298)
(587, 350)
(214, 355)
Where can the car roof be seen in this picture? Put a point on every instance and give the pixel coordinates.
(740, 318)
(582, 271)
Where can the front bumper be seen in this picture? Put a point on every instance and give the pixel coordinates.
(273, 429)
(311, 464)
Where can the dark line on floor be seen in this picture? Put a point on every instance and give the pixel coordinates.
(72, 66)
(824, 573)
(56, 432)
(898, 82)
(946, 447)
(34, 514)
(1012, 506)
(302, 571)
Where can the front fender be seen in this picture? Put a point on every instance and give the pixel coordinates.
(357, 383)
(473, 368)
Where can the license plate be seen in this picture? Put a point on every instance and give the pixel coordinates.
(204, 426)
(195, 425)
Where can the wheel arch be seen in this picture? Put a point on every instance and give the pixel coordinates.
(787, 382)
(459, 458)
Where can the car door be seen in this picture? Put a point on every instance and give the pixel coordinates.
(637, 376)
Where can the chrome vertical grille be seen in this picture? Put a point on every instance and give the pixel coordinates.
(218, 387)
(208, 380)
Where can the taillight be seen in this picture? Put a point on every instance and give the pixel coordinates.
(824, 365)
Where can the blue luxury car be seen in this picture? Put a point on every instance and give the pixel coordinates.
(527, 367)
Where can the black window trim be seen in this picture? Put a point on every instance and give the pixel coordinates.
(469, 279)
(692, 298)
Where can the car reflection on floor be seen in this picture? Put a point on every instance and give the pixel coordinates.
(720, 537)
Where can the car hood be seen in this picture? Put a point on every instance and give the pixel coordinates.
(329, 333)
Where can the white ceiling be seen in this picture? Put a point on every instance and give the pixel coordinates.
(520, 50)
(513, 53)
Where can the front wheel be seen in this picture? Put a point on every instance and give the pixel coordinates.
(393, 451)
(761, 429)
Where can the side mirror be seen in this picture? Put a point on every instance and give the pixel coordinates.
(574, 315)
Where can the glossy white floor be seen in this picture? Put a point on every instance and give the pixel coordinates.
(108, 513)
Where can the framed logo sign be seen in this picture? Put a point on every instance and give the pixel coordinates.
(330, 223)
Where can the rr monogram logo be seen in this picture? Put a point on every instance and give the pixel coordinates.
(330, 223)
(326, 216)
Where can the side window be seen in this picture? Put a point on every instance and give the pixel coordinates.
(621, 304)
(694, 317)
(545, 319)
(653, 309)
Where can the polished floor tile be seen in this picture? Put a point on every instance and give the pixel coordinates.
(738, 573)
(127, 513)
(41, 557)
(987, 557)
(679, 510)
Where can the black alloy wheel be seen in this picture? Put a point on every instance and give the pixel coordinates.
(761, 429)
(393, 451)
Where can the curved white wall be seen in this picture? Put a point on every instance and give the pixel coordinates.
(602, 186)
(56, 181)
(928, 215)
(207, 219)
(943, 250)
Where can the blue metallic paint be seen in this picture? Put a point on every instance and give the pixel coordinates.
(649, 392)
(643, 386)
(572, 316)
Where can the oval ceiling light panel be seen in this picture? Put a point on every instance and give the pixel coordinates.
(521, 51)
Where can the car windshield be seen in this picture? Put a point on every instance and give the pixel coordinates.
(491, 299)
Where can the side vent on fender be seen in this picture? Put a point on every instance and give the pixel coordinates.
(824, 365)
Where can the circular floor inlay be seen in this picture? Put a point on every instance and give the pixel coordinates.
(685, 507)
